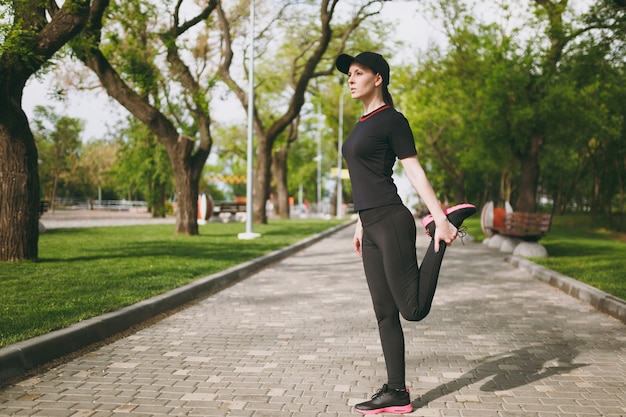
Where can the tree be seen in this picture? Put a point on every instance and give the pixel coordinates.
(170, 98)
(59, 147)
(92, 175)
(560, 35)
(496, 88)
(585, 159)
(300, 68)
(230, 148)
(143, 166)
(37, 31)
(449, 99)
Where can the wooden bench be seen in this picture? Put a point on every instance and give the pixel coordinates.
(228, 211)
(232, 207)
(525, 226)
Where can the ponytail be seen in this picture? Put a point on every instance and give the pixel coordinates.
(387, 96)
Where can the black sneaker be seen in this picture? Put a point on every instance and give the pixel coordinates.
(456, 215)
(386, 400)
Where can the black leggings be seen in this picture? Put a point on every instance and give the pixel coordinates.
(396, 283)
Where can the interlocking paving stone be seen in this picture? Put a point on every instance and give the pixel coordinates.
(299, 339)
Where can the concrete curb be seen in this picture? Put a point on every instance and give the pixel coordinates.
(28, 354)
(601, 301)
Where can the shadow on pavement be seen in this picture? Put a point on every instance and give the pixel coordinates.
(511, 370)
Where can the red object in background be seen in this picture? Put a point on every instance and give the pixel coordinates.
(498, 217)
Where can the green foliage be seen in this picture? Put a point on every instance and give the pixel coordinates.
(303, 169)
(67, 166)
(94, 170)
(18, 47)
(478, 107)
(130, 44)
(448, 102)
(60, 147)
(143, 168)
(586, 150)
(231, 150)
(83, 273)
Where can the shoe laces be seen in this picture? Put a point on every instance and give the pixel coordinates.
(462, 232)
(385, 389)
(381, 391)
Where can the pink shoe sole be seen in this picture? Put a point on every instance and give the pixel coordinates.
(404, 409)
(447, 211)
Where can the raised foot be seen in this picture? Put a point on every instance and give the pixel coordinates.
(456, 215)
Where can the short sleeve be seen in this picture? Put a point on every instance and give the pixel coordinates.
(401, 137)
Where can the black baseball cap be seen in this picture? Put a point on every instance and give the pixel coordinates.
(370, 59)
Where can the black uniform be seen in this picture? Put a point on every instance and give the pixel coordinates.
(396, 284)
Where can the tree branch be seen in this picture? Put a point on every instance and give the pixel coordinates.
(204, 14)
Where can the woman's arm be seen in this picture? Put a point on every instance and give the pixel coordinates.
(444, 230)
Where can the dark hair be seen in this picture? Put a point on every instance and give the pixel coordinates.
(387, 96)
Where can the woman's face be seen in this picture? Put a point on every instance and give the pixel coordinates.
(362, 81)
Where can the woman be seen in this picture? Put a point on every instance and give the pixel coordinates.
(385, 232)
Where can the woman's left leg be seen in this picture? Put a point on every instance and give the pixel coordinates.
(376, 225)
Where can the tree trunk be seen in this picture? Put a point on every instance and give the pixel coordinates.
(159, 208)
(279, 171)
(36, 34)
(505, 185)
(594, 201)
(187, 199)
(261, 180)
(529, 178)
(19, 184)
(55, 185)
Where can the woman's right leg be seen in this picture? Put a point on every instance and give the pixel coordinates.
(391, 230)
(431, 264)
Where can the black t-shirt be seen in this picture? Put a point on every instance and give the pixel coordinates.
(371, 151)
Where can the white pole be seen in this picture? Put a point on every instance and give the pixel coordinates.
(319, 158)
(249, 234)
(339, 159)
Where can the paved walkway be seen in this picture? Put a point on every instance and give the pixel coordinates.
(299, 339)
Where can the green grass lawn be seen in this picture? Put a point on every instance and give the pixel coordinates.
(578, 250)
(85, 272)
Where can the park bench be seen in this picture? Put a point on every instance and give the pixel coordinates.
(227, 211)
(529, 227)
(232, 207)
(44, 205)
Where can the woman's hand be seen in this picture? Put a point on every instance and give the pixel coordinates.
(357, 241)
(445, 231)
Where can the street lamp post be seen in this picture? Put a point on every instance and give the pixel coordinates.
(339, 159)
(249, 234)
(319, 158)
